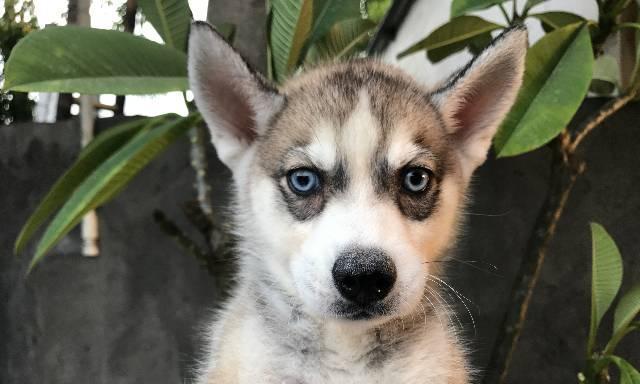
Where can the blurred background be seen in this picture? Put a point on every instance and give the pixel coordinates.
(131, 311)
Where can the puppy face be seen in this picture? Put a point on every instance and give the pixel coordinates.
(350, 177)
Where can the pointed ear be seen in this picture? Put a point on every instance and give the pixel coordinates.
(474, 101)
(236, 102)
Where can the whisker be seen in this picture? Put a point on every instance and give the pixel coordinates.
(469, 263)
(488, 214)
(460, 296)
(435, 311)
(449, 311)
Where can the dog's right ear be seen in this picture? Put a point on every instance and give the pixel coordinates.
(236, 102)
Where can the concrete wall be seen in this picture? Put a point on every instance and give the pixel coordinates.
(132, 315)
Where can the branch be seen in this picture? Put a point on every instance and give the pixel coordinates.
(605, 112)
(199, 163)
(566, 168)
(172, 229)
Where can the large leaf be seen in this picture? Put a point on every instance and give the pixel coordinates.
(326, 13)
(171, 18)
(94, 61)
(291, 22)
(627, 309)
(344, 39)
(110, 177)
(297, 24)
(557, 76)
(553, 20)
(452, 37)
(103, 146)
(628, 373)
(606, 277)
(460, 7)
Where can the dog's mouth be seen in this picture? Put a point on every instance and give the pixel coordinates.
(349, 311)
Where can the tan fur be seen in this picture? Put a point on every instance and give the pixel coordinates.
(360, 124)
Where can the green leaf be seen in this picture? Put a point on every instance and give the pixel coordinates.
(297, 24)
(460, 7)
(291, 23)
(532, 3)
(345, 39)
(551, 21)
(111, 177)
(227, 30)
(171, 18)
(103, 146)
(606, 75)
(93, 61)
(606, 277)
(628, 373)
(326, 13)
(452, 37)
(377, 9)
(478, 44)
(628, 25)
(627, 309)
(556, 80)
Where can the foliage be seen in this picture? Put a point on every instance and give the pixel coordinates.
(16, 22)
(95, 61)
(299, 25)
(559, 70)
(605, 283)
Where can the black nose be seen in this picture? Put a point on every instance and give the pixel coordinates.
(364, 276)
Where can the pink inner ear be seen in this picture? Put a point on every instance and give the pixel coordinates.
(478, 103)
(231, 104)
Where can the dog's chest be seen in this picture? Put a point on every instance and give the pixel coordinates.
(336, 357)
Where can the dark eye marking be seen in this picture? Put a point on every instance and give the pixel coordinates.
(306, 188)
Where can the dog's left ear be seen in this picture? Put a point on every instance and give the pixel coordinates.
(236, 102)
(476, 100)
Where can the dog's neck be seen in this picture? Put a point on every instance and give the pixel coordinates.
(301, 333)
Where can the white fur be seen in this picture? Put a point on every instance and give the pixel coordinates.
(279, 326)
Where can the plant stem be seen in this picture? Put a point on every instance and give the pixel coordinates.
(563, 178)
(566, 168)
(504, 13)
(603, 113)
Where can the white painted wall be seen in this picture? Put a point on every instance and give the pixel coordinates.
(427, 15)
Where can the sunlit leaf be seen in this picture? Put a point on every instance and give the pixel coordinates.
(107, 180)
(606, 277)
(452, 37)
(93, 61)
(171, 18)
(557, 77)
(377, 9)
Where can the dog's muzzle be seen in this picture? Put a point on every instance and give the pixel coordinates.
(364, 277)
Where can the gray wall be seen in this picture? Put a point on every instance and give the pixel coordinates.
(132, 315)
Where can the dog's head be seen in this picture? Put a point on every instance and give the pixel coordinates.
(350, 177)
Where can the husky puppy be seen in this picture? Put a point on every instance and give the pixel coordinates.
(349, 180)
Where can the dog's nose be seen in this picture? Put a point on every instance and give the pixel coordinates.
(364, 276)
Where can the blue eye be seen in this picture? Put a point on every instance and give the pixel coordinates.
(303, 181)
(415, 179)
